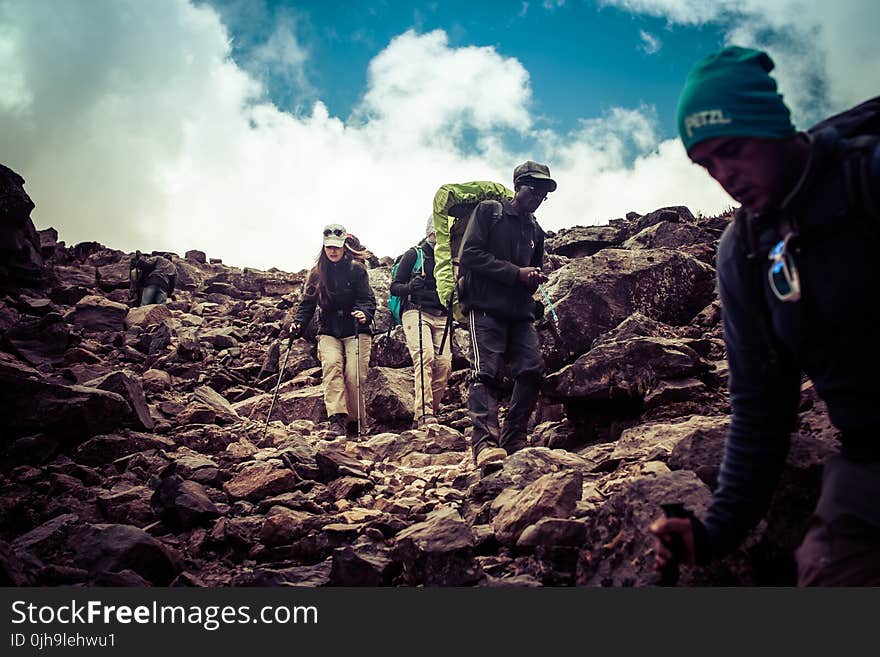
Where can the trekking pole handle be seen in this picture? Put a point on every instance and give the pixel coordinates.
(669, 574)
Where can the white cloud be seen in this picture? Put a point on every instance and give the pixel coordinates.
(552, 5)
(826, 52)
(133, 126)
(282, 55)
(650, 43)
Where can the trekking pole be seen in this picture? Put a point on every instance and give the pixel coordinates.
(421, 363)
(549, 303)
(669, 574)
(448, 326)
(277, 386)
(357, 357)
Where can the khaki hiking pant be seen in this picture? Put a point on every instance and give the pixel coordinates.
(339, 371)
(436, 368)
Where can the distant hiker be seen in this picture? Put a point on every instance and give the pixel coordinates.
(798, 283)
(423, 319)
(152, 278)
(135, 287)
(500, 269)
(339, 286)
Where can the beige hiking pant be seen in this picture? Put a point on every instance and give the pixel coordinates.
(340, 374)
(436, 368)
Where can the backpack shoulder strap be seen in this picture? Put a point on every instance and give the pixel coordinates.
(420, 260)
(861, 169)
(744, 228)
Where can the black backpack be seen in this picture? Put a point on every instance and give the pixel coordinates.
(859, 126)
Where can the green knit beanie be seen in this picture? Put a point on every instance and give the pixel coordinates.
(731, 94)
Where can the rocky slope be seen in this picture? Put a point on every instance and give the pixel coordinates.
(134, 450)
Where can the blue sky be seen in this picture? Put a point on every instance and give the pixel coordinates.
(583, 58)
(242, 127)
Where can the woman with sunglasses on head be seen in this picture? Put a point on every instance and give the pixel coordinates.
(339, 286)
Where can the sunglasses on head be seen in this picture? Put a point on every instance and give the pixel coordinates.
(783, 274)
(338, 232)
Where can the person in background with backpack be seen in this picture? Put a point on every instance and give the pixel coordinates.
(424, 319)
(155, 276)
(500, 269)
(798, 285)
(339, 286)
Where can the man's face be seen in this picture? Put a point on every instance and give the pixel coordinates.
(530, 194)
(753, 171)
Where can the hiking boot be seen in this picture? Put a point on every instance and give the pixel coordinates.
(337, 423)
(425, 420)
(489, 454)
(513, 448)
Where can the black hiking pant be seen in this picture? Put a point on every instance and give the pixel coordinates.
(842, 543)
(494, 340)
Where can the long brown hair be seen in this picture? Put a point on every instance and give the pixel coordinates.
(316, 284)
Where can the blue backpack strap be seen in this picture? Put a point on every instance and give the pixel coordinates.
(420, 260)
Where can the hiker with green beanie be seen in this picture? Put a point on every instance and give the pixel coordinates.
(798, 288)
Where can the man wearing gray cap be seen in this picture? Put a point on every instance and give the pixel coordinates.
(423, 319)
(500, 269)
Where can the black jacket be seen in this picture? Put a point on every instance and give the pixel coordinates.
(427, 296)
(830, 334)
(350, 290)
(157, 270)
(493, 250)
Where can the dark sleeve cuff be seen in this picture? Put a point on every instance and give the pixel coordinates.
(702, 542)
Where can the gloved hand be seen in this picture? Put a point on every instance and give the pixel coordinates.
(417, 283)
(295, 330)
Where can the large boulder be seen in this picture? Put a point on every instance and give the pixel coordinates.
(666, 234)
(671, 214)
(93, 314)
(438, 551)
(223, 410)
(593, 295)
(658, 440)
(31, 404)
(21, 263)
(129, 388)
(114, 276)
(114, 548)
(621, 551)
(390, 350)
(40, 341)
(106, 448)
(149, 315)
(363, 564)
(304, 403)
(554, 494)
(76, 274)
(189, 275)
(258, 481)
(182, 504)
(583, 241)
(625, 369)
(389, 394)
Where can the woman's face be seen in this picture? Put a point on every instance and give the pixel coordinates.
(334, 253)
